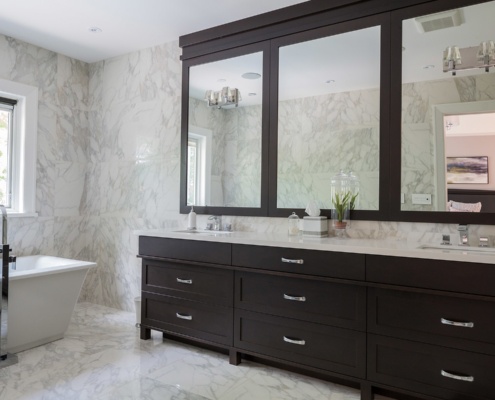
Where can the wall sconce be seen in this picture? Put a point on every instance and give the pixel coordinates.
(486, 54)
(225, 97)
(451, 58)
(456, 59)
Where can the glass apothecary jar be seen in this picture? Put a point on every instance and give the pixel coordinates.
(293, 224)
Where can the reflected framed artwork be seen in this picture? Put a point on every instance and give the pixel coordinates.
(467, 170)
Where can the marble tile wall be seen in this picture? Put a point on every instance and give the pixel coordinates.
(109, 161)
(63, 130)
(319, 136)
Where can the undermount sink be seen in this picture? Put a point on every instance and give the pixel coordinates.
(204, 232)
(459, 249)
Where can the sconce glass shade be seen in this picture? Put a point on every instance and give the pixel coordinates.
(452, 56)
(486, 52)
(225, 97)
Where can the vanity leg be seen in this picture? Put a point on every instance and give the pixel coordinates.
(145, 333)
(234, 357)
(366, 391)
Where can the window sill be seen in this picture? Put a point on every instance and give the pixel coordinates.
(16, 214)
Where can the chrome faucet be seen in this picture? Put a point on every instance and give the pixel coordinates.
(463, 235)
(217, 222)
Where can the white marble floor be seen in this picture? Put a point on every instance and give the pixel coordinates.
(102, 357)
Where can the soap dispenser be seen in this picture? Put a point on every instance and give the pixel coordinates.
(191, 220)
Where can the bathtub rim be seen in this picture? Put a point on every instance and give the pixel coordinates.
(67, 265)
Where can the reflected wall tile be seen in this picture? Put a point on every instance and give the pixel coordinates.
(485, 87)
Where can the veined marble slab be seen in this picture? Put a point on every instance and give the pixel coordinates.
(384, 247)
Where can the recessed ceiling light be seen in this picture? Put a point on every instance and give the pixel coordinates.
(251, 94)
(94, 29)
(330, 81)
(251, 75)
(403, 48)
(222, 80)
(429, 66)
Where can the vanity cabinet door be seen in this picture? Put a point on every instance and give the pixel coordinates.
(438, 371)
(300, 261)
(312, 300)
(446, 320)
(188, 318)
(305, 343)
(194, 282)
(187, 250)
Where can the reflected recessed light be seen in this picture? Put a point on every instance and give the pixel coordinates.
(429, 66)
(251, 75)
(330, 81)
(251, 94)
(403, 48)
(94, 29)
(222, 80)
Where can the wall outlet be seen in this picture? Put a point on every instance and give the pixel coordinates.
(421, 198)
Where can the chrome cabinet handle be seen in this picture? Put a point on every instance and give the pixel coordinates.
(294, 298)
(456, 323)
(294, 341)
(288, 260)
(188, 281)
(464, 378)
(183, 316)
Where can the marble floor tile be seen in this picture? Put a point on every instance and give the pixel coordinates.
(102, 357)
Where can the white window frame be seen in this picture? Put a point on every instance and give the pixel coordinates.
(204, 138)
(24, 146)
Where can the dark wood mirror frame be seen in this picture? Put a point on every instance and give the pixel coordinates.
(309, 20)
(396, 120)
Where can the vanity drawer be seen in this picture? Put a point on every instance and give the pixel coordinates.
(418, 367)
(330, 303)
(429, 317)
(188, 250)
(308, 262)
(188, 318)
(320, 346)
(454, 276)
(207, 284)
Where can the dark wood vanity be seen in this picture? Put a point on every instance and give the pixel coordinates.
(405, 327)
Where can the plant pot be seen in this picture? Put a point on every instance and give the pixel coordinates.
(339, 224)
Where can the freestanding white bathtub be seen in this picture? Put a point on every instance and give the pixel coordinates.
(43, 292)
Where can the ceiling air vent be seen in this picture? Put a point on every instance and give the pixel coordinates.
(442, 20)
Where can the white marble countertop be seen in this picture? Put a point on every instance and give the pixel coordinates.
(396, 248)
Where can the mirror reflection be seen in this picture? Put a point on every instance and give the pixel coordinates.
(448, 93)
(328, 118)
(224, 132)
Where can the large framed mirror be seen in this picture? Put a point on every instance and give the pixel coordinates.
(330, 114)
(443, 105)
(224, 132)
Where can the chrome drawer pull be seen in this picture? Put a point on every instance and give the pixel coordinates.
(455, 323)
(294, 341)
(188, 281)
(184, 316)
(294, 298)
(457, 377)
(288, 260)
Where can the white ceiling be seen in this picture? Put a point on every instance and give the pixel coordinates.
(127, 25)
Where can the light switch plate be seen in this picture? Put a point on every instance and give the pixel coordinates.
(421, 198)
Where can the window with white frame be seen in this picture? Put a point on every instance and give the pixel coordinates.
(18, 134)
(7, 108)
(198, 166)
